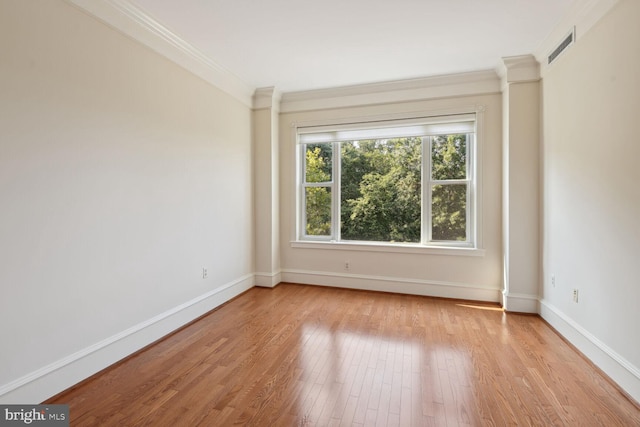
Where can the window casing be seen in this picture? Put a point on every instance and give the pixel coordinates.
(422, 194)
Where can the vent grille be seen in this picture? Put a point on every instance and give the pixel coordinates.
(568, 41)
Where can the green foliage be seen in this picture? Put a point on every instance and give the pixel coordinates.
(381, 189)
(449, 157)
(448, 212)
(318, 163)
(318, 211)
(318, 199)
(449, 202)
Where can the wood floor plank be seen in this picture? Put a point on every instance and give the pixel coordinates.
(303, 356)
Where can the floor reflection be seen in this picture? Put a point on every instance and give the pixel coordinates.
(370, 378)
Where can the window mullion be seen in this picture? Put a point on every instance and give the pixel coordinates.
(302, 216)
(426, 189)
(318, 184)
(449, 181)
(335, 191)
(470, 190)
(303, 191)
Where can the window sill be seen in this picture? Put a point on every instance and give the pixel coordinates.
(389, 248)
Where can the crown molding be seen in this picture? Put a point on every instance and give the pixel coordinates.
(463, 84)
(518, 69)
(137, 24)
(265, 98)
(582, 15)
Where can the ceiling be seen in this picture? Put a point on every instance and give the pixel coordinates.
(298, 45)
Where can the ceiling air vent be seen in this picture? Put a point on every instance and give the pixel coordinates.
(568, 41)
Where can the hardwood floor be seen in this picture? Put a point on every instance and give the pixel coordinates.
(302, 355)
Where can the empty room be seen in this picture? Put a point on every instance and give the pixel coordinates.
(292, 213)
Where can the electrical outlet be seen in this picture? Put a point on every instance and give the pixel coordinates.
(575, 295)
(347, 265)
(205, 273)
(553, 280)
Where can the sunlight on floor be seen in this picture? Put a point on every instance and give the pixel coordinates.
(481, 307)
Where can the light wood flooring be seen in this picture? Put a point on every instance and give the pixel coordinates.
(313, 356)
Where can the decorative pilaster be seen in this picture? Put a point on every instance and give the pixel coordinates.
(521, 173)
(266, 102)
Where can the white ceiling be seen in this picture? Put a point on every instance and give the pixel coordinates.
(299, 45)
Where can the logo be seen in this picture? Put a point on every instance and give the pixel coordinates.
(36, 415)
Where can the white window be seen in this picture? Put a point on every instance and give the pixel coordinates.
(409, 181)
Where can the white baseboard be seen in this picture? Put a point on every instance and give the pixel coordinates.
(268, 280)
(620, 370)
(393, 284)
(520, 303)
(50, 380)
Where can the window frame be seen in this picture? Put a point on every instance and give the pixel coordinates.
(469, 181)
(473, 243)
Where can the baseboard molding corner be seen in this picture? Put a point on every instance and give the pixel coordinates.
(268, 280)
(56, 377)
(617, 368)
(520, 303)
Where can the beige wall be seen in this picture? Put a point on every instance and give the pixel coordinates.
(122, 175)
(591, 238)
(472, 277)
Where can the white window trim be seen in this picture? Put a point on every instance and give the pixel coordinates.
(431, 247)
(405, 248)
